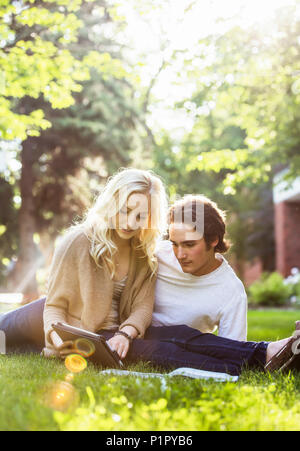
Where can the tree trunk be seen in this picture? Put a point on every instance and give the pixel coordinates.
(29, 259)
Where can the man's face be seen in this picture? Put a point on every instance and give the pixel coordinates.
(191, 250)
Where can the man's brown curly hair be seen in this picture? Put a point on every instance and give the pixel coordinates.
(214, 219)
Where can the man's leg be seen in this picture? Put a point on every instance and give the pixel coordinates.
(170, 356)
(23, 328)
(234, 352)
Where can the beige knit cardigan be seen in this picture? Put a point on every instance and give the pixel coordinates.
(80, 293)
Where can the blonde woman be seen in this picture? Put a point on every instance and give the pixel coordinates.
(103, 272)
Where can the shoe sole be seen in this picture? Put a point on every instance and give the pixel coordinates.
(285, 356)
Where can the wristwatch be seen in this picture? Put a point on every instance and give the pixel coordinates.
(121, 332)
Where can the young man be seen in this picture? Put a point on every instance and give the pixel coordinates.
(195, 285)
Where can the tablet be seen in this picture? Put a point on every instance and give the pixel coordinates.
(90, 345)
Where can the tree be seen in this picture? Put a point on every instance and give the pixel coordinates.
(35, 61)
(42, 68)
(245, 207)
(244, 111)
(259, 70)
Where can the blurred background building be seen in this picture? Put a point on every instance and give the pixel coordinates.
(286, 196)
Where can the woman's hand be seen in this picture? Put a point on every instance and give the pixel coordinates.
(120, 344)
(64, 348)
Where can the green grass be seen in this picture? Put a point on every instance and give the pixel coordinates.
(257, 401)
(271, 324)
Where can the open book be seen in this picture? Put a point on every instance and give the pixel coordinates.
(187, 372)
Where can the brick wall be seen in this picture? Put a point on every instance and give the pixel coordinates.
(287, 236)
(252, 271)
(248, 272)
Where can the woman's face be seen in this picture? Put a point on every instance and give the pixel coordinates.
(133, 216)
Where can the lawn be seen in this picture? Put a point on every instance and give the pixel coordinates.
(34, 393)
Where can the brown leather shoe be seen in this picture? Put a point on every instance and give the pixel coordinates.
(285, 357)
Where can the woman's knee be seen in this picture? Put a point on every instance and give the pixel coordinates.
(25, 324)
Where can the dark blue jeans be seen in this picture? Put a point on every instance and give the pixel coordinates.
(23, 328)
(167, 347)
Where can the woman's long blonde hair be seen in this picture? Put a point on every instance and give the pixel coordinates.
(97, 221)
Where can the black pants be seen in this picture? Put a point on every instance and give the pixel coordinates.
(167, 346)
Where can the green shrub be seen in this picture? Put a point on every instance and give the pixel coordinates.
(270, 290)
(296, 290)
(295, 298)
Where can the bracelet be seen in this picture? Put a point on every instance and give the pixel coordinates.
(120, 332)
